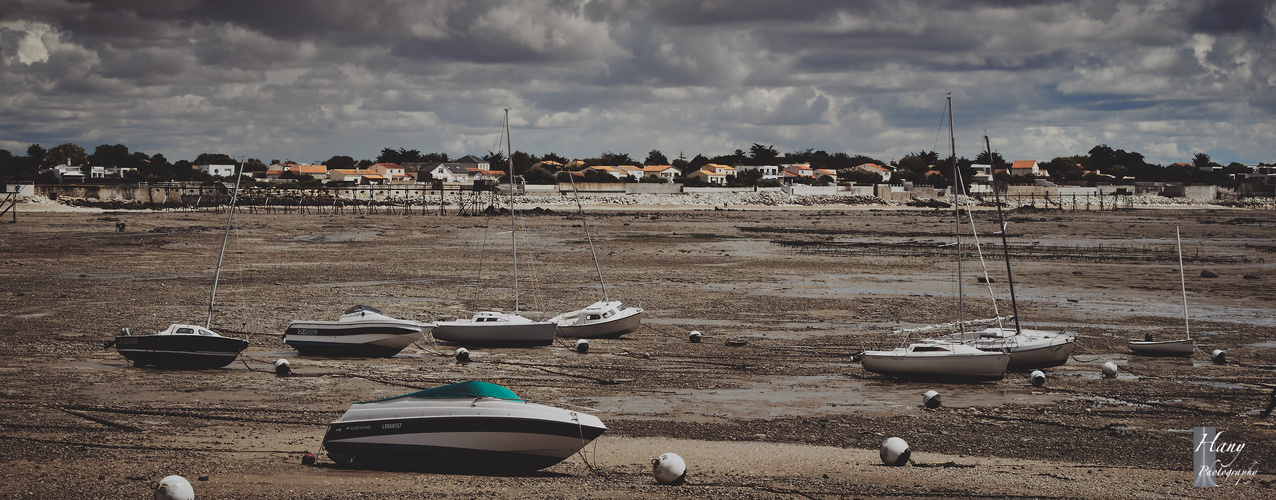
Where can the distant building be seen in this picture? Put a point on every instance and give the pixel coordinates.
(666, 172)
(769, 172)
(1027, 168)
(873, 168)
(216, 170)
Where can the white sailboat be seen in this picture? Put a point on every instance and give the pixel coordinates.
(604, 319)
(1179, 347)
(496, 327)
(942, 358)
(1028, 349)
(184, 346)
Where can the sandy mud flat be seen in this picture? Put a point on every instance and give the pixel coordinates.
(769, 405)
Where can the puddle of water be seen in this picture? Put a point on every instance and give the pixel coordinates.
(1268, 344)
(32, 315)
(334, 237)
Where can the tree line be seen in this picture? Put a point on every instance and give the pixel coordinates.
(1101, 164)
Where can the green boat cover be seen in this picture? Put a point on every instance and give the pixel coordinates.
(461, 390)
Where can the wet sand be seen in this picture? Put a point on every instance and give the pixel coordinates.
(769, 404)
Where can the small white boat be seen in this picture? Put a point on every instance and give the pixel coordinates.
(360, 331)
(603, 319)
(470, 426)
(1180, 347)
(937, 360)
(180, 346)
(496, 328)
(1028, 349)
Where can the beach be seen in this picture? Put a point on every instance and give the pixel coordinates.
(769, 404)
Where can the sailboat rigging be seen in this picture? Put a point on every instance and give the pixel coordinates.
(1180, 347)
(183, 345)
(605, 319)
(494, 327)
(942, 358)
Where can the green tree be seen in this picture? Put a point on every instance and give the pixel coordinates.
(763, 155)
(65, 154)
(214, 159)
(341, 162)
(1202, 160)
(555, 158)
(36, 154)
(110, 156)
(655, 157)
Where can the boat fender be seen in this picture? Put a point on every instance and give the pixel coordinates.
(282, 368)
(931, 399)
(125, 331)
(1037, 378)
(1109, 369)
(694, 337)
(582, 346)
(308, 458)
(174, 488)
(895, 452)
(669, 468)
(1219, 356)
(462, 355)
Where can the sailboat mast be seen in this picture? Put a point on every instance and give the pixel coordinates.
(601, 283)
(1182, 282)
(509, 161)
(1005, 250)
(952, 145)
(208, 323)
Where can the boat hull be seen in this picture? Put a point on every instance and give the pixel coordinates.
(505, 333)
(482, 435)
(607, 329)
(382, 338)
(1184, 347)
(180, 351)
(1029, 350)
(901, 363)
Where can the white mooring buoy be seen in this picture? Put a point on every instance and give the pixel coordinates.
(931, 399)
(1219, 356)
(174, 488)
(694, 337)
(895, 452)
(669, 468)
(462, 355)
(582, 346)
(1037, 377)
(1109, 369)
(282, 368)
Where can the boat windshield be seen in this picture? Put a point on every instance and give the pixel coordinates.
(361, 308)
(462, 390)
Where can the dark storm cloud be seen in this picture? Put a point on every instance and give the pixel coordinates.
(310, 79)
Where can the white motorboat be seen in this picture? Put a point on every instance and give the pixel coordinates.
(180, 346)
(470, 426)
(360, 331)
(495, 328)
(1178, 347)
(937, 360)
(603, 319)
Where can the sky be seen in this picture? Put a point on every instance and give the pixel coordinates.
(305, 80)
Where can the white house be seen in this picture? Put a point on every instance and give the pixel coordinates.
(455, 173)
(666, 172)
(217, 170)
(769, 172)
(873, 168)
